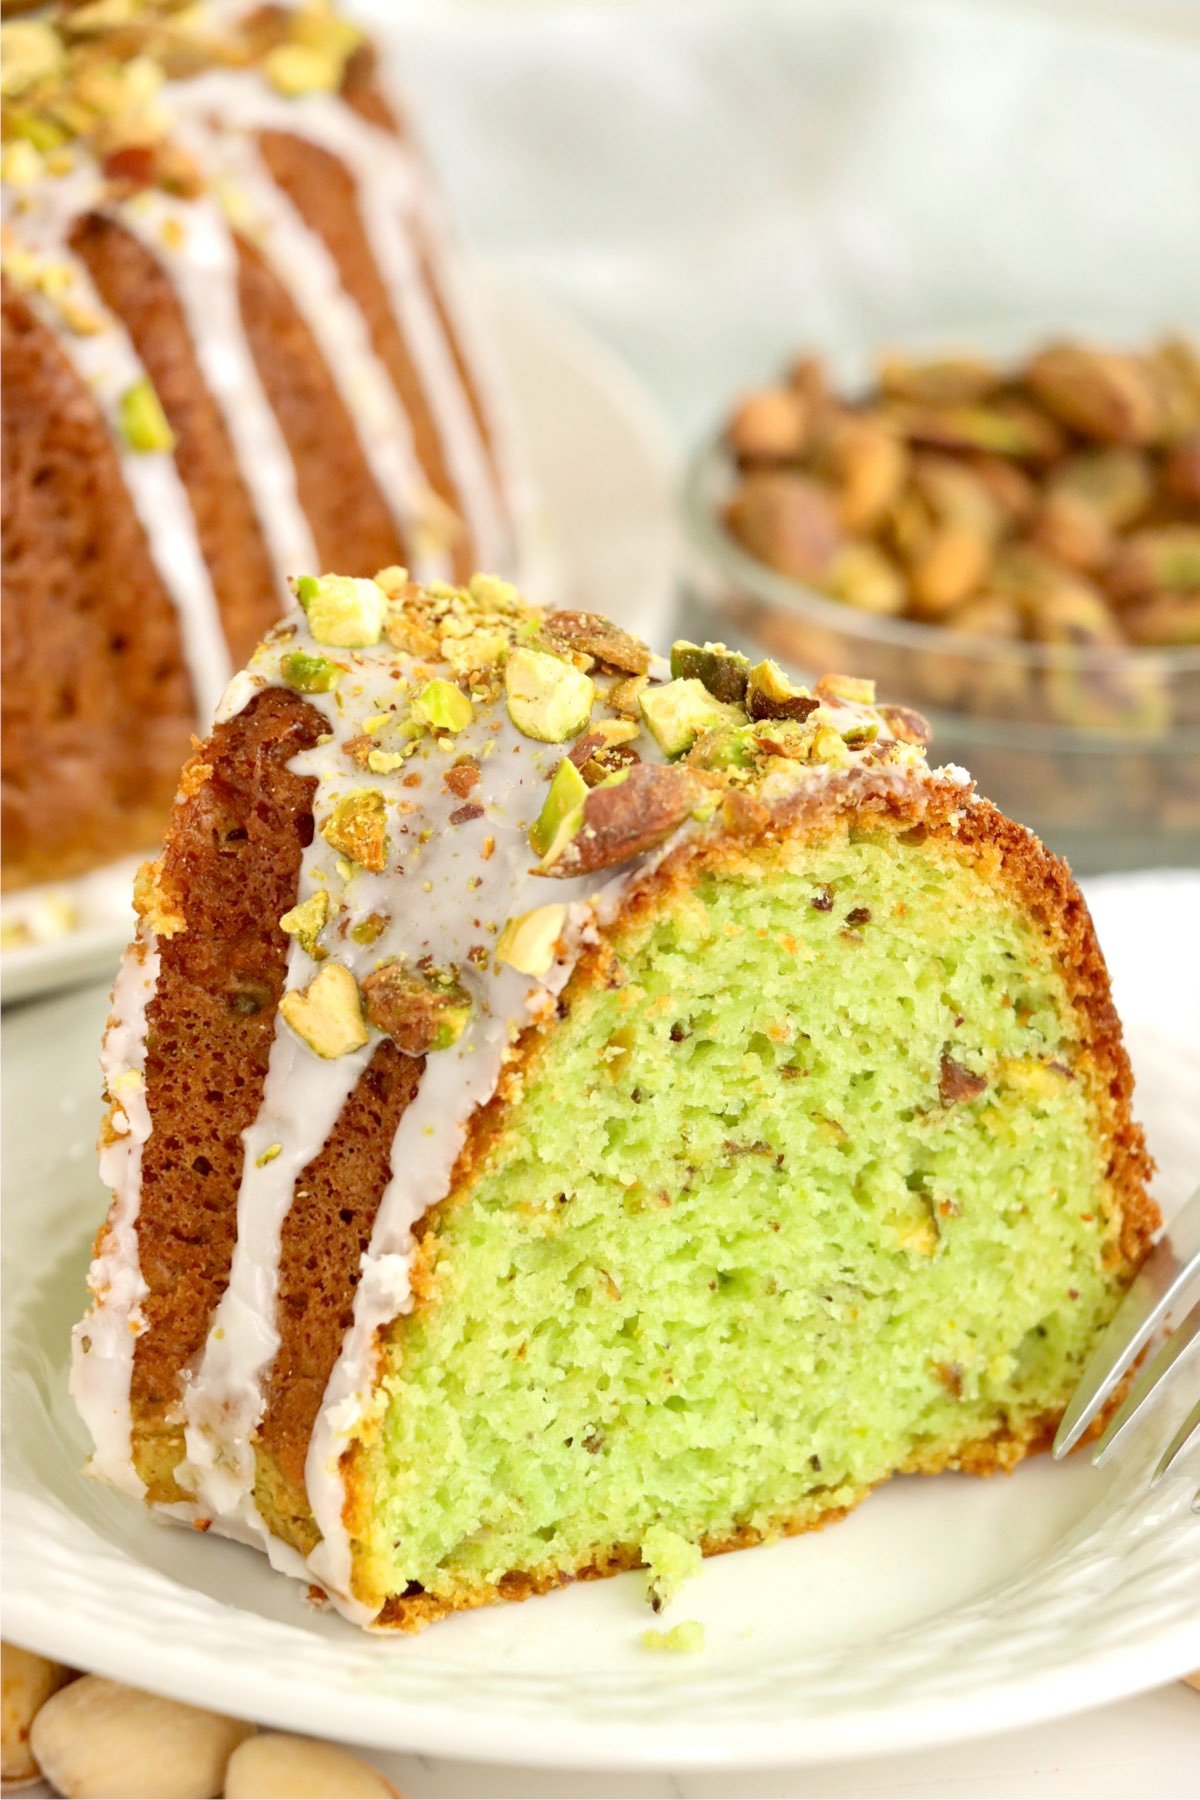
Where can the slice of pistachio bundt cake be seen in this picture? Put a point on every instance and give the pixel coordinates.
(561, 1105)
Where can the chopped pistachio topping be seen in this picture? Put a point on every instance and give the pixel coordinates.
(563, 808)
(308, 674)
(770, 695)
(548, 699)
(853, 688)
(421, 1012)
(670, 1560)
(294, 69)
(723, 672)
(528, 942)
(680, 710)
(327, 1015)
(142, 420)
(357, 827)
(444, 706)
(346, 611)
(306, 921)
(30, 51)
(268, 1156)
(683, 1639)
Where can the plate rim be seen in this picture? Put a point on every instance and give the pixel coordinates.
(396, 1724)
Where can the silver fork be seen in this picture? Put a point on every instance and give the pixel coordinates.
(1159, 1288)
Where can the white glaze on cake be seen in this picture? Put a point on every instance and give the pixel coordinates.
(103, 1342)
(215, 117)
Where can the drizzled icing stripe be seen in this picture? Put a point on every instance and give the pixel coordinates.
(103, 1342)
(385, 174)
(193, 244)
(108, 365)
(341, 335)
(204, 273)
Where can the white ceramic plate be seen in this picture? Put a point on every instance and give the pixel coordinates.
(941, 1609)
(602, 536)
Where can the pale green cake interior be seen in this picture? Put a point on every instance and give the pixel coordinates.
(736, 1258)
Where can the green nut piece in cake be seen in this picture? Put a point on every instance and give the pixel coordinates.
(725, 673)
(678, 711)
(683, 1639)
(444, 706)
(770, 695)
(420, 1012)
(327, 1015)
(306, 674)
(562, 813)
(357, 827)
(346, 611)
(528, 942)
(548, 699)
(670, 1560)
(143, 422)
(306, 921)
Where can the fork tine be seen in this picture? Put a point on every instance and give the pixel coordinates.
(1185, 1439)
(1160, 1281)
(1184, 1339)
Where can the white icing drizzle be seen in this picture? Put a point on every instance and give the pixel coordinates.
(387, 178)
(107, 363)
(103, 1342)
(303, 263)
(193, 244)
(39, 219)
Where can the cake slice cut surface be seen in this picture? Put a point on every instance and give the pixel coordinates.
(581, 1102)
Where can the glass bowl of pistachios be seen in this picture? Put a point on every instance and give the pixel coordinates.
(1010, 543)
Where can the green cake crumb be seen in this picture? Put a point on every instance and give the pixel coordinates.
(683, 1639)
(670, 1560)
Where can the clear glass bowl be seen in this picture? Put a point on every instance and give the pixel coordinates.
(1097, 750)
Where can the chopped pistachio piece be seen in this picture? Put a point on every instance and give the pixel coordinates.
(725, 747)
(527, 942)
(683, 1639)
(420, 1012)
(357, 827)
(327, 1015)
(670, 1559)
(143, 422)
(853, 688)
(770, 695)
(308, 674)
(568, 791)
(346, 611)
(30, 50)
(723, 672)
(444, 706)
(496, 595)
(295, 69)
(678, 711)
(306, 921)
(548, 699)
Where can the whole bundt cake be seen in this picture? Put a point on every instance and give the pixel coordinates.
(566, 1111)
(234, 348)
